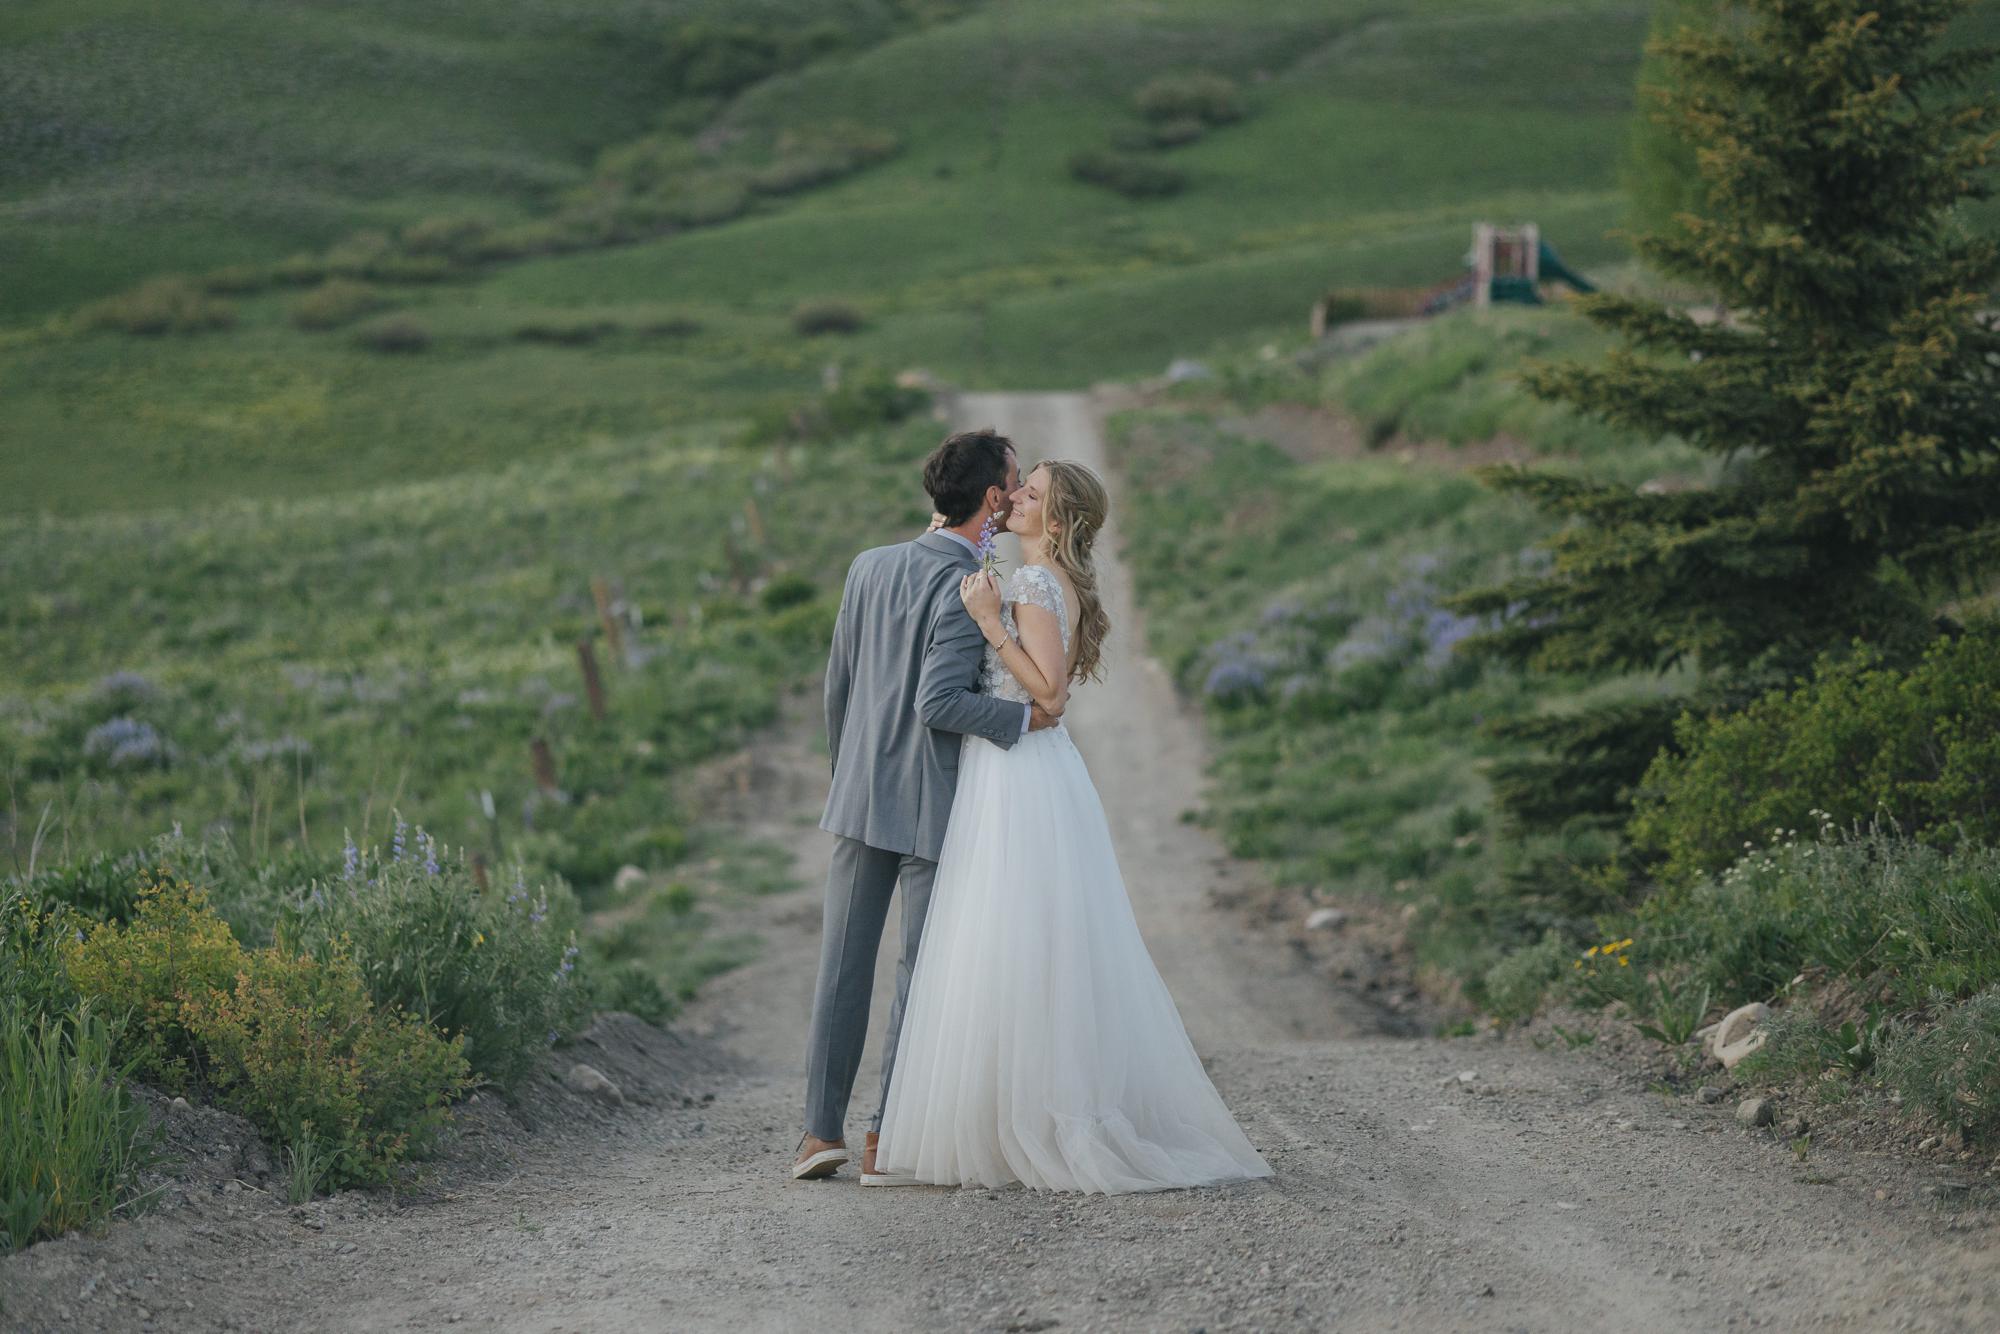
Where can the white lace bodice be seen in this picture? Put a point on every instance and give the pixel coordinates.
(1033, 584)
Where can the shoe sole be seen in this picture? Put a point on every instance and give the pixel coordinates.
(885, 1179)
(822, 1164)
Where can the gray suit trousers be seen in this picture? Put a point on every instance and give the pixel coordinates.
(858, 888)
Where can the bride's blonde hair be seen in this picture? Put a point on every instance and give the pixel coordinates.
(1073, 513)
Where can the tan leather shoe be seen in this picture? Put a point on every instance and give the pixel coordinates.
(871, 1177)
(818, 1158)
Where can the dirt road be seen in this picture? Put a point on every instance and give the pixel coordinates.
(1545, 1192)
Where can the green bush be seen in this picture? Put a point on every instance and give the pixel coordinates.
(812, 318)
(1950, 1069)
(296, 1045)
(1917, 919)
(164, 305)
(493, 967)
(1209, 99)
(72, 1140)
(1131, 176)
(33, 976)
(335, 302)
(1177, 132)
(144, 973)
(394, 334)
(1859, 741)
(1513, 988)
(247, 894)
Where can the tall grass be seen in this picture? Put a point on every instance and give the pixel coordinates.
(72, 1139)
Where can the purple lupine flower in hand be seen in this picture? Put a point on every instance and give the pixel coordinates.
(989, 549)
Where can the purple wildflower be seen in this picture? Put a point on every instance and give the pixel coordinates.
(401, 830)
(351, 866)
(989, 549)
(430, 847)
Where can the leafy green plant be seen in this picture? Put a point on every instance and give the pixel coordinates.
(146, 973)
(1208, 99)
(1950, 1069)
(335, 302)
(33, 976)
(1128, 174)
(72, 1140)
(307, 1163)
(296, 1045)
(1860, 741)
(1513, 988)
(493, 967)
(160, 306)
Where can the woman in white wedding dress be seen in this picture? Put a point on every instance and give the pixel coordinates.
(1039, 1044)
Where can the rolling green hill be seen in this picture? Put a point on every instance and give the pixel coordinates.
(1375, 134)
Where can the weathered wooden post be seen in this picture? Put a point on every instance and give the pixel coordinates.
(593, 684)
(755, 518)
(479, 871)
(614, 635)
(545, 765)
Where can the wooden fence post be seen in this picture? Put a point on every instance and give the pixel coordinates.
(614, 636)
(545, 765)
(593, 684)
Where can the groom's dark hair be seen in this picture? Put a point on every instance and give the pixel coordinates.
(959, 472)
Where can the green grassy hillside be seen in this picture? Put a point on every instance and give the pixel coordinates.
(1374, 135)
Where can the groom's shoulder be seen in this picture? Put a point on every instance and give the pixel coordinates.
(897, 556)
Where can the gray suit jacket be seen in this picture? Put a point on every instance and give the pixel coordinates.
(901, 686)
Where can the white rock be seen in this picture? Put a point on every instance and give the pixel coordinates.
(1325, 919)
(1184, 368)
(628, 879)
(1739, 1033)
(590, 1081)
(1757, 1111)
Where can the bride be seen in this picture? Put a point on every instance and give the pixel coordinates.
(1039, 1044)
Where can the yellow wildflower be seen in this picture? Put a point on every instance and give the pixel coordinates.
(478, 939)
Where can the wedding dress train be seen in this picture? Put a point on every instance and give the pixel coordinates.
(1039, 1043)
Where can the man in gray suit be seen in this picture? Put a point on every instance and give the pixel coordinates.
(901, 689)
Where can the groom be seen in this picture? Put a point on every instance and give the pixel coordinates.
(901, 686)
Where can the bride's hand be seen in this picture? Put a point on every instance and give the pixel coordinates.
(980, 592)
(937, 522)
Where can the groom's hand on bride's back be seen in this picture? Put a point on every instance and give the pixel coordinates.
(1039, 718)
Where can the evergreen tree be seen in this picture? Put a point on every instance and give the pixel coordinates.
(1851, 387)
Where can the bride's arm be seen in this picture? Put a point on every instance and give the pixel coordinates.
(1037, 659)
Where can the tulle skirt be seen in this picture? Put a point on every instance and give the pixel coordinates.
(1039, 1044)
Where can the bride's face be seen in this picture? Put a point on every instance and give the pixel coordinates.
(1025, 520)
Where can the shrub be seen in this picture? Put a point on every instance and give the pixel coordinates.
(494, 968)
(1951, 1069)
(1857, 741)
(72, 1140)
(1177, 132)
(158, 306)
(394, 334)
(787, 590)
(33, 977)
(295, 1045)
(575, 331)
(824, 317)
(1514, 986)
(335, 302)
(247, 894)
(457, 238)
(143, 973)
(1206, 98)
(1133, 177)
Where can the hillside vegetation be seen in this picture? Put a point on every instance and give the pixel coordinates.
(1371, 137)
